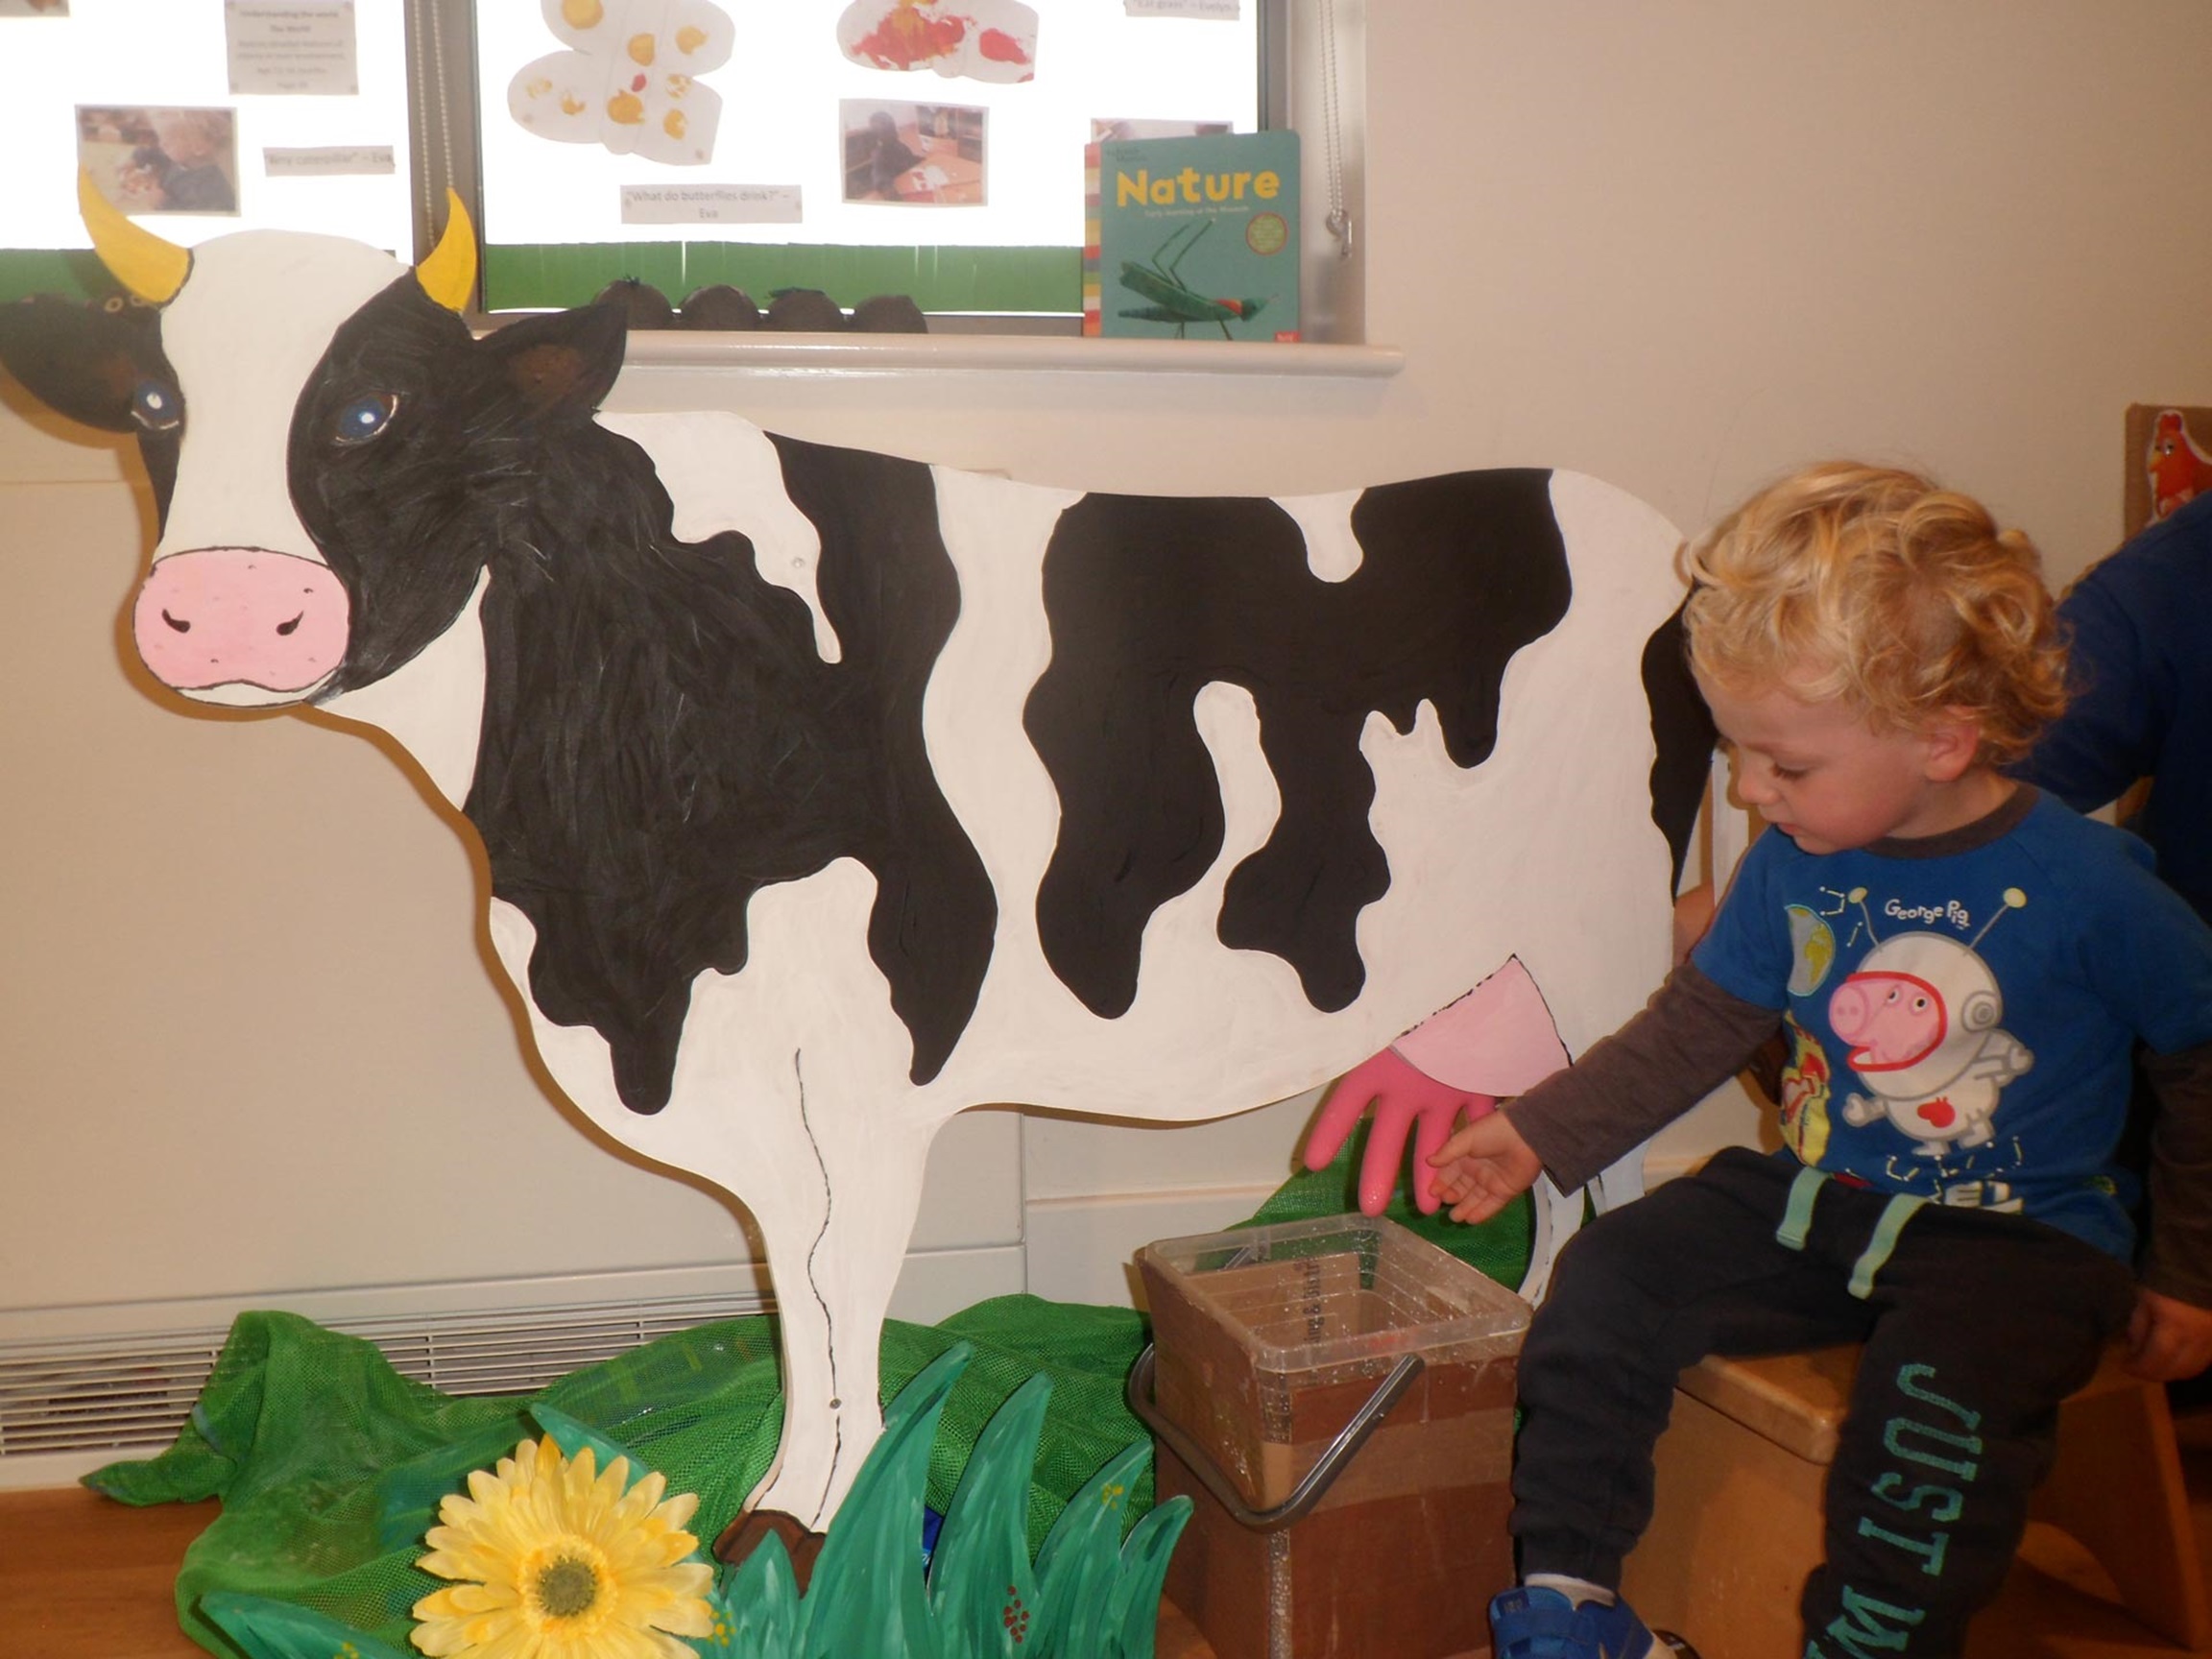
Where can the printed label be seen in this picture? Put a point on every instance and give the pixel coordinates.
(292, 46)
(329, 161)
(1211, 11)
(711, 205)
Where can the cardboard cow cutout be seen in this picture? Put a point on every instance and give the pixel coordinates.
(827, 793)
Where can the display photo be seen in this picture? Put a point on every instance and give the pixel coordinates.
(916, 155)
(161, 161)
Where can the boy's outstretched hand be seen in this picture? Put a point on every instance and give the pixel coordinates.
(2168, 1341)
(1484, 1167)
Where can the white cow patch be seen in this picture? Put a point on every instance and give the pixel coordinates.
(723, 475)
(1332, 551)
(413, 704)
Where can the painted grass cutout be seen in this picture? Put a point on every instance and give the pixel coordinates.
(980, 1598)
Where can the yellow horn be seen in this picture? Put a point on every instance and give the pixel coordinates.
(450, 273)
(141, 261)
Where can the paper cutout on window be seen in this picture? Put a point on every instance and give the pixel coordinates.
(2178, 469)
(632, 81)
(981, 39)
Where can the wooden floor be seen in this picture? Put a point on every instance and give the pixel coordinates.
(84, 1578)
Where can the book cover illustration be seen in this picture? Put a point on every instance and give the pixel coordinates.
(1186, 238)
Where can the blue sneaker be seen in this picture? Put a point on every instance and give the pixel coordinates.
(1542, 1623)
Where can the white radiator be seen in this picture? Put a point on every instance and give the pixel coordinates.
(70, 1405)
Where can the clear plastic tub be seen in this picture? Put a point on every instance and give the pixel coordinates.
(1269, 1342)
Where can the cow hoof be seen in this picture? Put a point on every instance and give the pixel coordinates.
(746, 1534)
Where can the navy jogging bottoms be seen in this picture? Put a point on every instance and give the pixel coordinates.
(1976, 1324)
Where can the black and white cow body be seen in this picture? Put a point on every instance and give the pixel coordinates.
(827, 793)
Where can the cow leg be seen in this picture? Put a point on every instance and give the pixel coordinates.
(834, 1215)
(784, 1159)
(773, 1126)
(791, 1222)
(845, 1183)
(817, 1131)
(845, 1280)
(1558, 1217)
(1621, 1183)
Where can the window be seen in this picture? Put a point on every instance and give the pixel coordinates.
(820, 168)
(142, 94)
(965, 191)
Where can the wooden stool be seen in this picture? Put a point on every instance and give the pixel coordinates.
(1745, 1459)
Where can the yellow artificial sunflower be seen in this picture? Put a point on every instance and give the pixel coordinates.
(560, 1563)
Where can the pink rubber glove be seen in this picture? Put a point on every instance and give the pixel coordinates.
(1404, 1097)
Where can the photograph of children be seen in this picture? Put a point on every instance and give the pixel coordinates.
(919, 154)
(155, 161)
(33, 8)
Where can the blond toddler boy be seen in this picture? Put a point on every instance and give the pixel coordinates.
(1962, 968)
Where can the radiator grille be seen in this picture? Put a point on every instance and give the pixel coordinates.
(115, 1392)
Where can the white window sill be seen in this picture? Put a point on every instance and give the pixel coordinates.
(940, 353)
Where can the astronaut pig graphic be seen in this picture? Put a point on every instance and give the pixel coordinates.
(1921, 1013)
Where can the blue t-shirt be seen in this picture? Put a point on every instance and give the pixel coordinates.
(1961, 1011)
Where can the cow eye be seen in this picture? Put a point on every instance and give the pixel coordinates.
(365, 417)
(157, 407)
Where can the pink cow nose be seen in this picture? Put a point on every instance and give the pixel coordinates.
(241, 616)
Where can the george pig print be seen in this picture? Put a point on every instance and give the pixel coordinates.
(1902, 1053)
(1920, 1014)
(1931, 1009)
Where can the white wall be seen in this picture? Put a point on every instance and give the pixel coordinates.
(248, 1038)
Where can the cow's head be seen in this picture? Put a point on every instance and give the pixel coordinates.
(323, 433)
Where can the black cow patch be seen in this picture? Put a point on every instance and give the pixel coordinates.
(1150, 599)
(1683, 732)
(101, 363)
(660, 739)
(887, 585)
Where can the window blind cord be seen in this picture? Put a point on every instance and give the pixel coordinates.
(439, 81)
(1339, 220)
(427, 91)
(426, 166)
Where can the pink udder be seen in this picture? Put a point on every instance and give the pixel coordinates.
(241, 616)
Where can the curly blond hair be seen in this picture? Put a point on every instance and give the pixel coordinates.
(1872, 584)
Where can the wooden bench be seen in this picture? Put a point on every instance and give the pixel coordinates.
(1745, 1459)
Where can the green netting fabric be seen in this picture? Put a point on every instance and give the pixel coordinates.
(1498, 1249)
(330, 1465)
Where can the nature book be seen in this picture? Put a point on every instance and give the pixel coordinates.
(1192, 238)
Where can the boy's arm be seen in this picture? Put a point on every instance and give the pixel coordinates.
(1689, 1038)
(2171, 1337)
